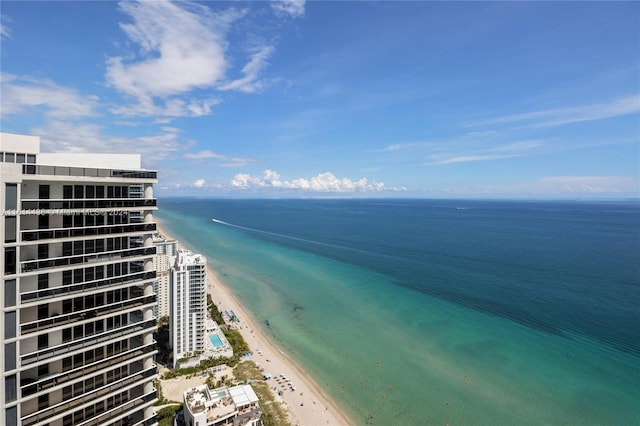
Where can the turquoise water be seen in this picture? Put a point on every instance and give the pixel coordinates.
(422, 312)
(215, 340)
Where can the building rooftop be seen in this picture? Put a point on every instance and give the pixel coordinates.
(219, 403)
(187, 257)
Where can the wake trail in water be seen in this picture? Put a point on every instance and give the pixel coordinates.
(289, 237)
(303, 240)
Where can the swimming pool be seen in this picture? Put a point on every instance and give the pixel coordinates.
(215, 340)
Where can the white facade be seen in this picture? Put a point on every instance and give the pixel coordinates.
(188, 304)
(236, 405)
(77, 288)
(166, 250)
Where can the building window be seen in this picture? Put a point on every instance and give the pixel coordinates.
(31, 159)
(43, 311)
(12, 416)
(67, 192)
(43, 221)
(78, 191)
(66, 336)
(9, 325)
(10, 389)
(20, 158)
(10, 229)
(43, 341)
(43, 194)
(10, 356)
(9, 293)
(43, 281)
(43, 401)
(43, 251)
(11, 196)
(9, 157)
(10, 260)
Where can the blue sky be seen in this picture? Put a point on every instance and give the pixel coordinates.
(376, 99)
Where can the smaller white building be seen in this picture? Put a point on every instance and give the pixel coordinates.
(188, 305)
(236, 405)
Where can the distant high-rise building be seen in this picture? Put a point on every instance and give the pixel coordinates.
(77, 288)
(166, 250)
(188, 304)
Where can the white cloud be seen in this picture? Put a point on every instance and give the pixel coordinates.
(198, 183)
(5, 32)
(559, 116)
(23, 94)
(62, 136)
(250, 83)
(323, 182)
(174, 107)
(202, 155)
(182, 49)
(498, 152)
(469, 158)
(225, 161)
(293, 8)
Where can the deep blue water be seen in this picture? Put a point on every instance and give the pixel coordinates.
(553, 266)
(566, 270)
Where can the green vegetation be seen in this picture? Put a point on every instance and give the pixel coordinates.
(246, 371)
(273, 414)
(234, 337)
(166, 414)
(236, 341)
(214, 313)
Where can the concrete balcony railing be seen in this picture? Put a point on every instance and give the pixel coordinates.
(32, 169)
(68, 290)
(86, 343)
(137, 353)
(60, 320)
(134, 383)
(108, 230)
(33, 265)
(37, 206)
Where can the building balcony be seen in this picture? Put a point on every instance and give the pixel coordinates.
(32, 169)
(80, 204)
(133, 383)
(86, 343)
(132, 410)
(71, 289)
(108, 256)
(75, 317)
(109, 230)
(134, 356)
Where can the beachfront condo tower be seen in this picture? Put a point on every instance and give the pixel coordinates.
(188, 305)
(77, 287)
(166, 250)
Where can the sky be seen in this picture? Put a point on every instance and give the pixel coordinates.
(336, 98)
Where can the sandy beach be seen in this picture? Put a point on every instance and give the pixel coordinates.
(308, 404)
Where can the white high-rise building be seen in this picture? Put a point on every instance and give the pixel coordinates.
(77, 287)
(166, 250)
(188, 304)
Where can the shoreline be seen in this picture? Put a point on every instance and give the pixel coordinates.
(309, 404)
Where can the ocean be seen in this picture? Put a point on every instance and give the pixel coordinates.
(434, 312)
